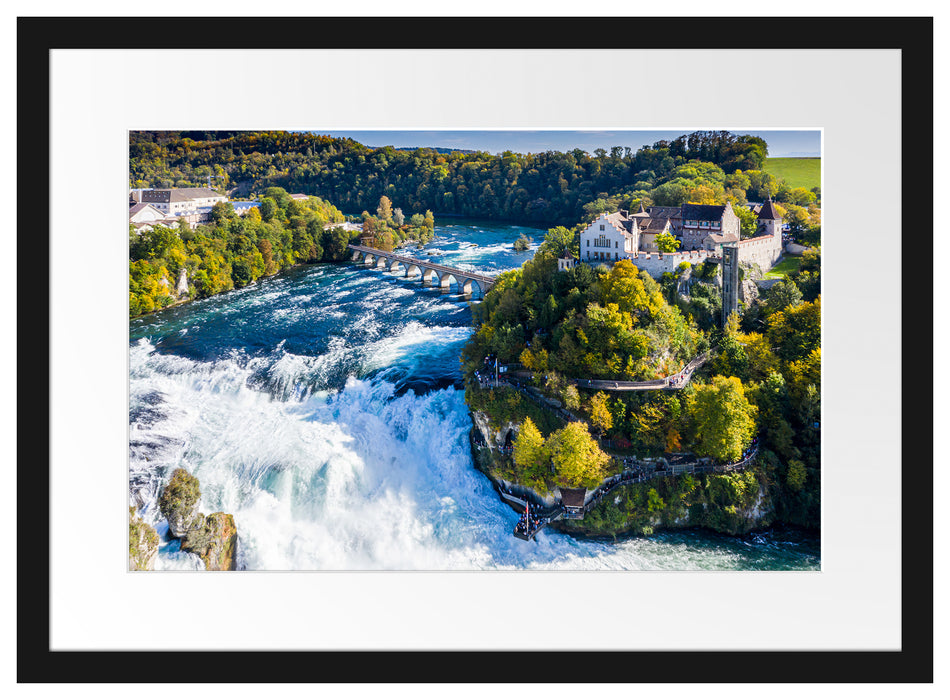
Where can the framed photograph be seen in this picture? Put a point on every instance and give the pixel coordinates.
(308, 375)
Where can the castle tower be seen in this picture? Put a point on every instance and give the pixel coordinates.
(770, 223)
(566, 261)
(730, 280)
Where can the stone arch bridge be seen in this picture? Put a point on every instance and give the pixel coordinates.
(430, 273)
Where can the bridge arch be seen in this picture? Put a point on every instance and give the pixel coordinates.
(468, 284)
(444, 278)
(393, 264)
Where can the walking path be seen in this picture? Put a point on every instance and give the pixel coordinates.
(676, 381)
(538, 517)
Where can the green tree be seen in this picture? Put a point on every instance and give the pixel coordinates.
(571, 398)
(529, 451)
(781, 295)
(667, 243)
(795, 478)
(654, 501)
(748, 221)
(578, 461)
(723, 418)
(268, 208)
(600, 414)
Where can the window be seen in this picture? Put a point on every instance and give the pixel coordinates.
(601, 227)
(616, 244)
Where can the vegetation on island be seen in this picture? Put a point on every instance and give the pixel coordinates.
(390, 228)
(213, 538)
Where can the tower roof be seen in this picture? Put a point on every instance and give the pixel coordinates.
(768, 211)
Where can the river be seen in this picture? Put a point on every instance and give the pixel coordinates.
(323, 408)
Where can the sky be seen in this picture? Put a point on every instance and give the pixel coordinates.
(782, 144)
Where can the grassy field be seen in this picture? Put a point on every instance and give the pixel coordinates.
(786, 266)
(797, 172)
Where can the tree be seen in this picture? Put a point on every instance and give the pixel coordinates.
(654, 501)
(781, 295)
(530, 452)
(795, 478)
(571, 397)
(559, 238)
(748, 221)
(723, 417)
(578, 461)
(268, 208)
(666, 242)
(398, 217)
(385, 209)
(600, 414)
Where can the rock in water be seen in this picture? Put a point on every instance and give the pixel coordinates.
(214, 539)
(143, 544)
(179, 502)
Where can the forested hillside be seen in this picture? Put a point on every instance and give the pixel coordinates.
(550, 187)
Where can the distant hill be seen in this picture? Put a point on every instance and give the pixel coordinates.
(797, 172)
(437, 149)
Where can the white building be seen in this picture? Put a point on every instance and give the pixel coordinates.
(702, 230)
(180, 201)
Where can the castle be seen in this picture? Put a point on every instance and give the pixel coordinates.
(702, 229)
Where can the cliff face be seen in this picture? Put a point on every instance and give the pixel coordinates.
(214, 539)
(143, 544)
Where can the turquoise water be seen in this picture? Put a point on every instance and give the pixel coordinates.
(323, 409)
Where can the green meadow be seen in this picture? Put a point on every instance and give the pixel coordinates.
(797, 172)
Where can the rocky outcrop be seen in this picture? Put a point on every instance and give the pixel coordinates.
(178, 502)
(181, 289)
(748, 291)
(143, 544)
(214, 539)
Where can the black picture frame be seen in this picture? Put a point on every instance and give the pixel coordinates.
(36, 663)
